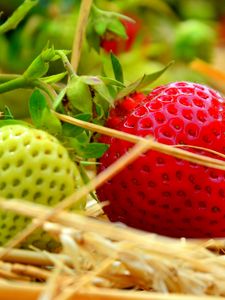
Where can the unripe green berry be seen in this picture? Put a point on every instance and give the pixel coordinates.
(194, 39)
(35, 167)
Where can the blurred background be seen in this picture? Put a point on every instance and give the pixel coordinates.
(164, 30)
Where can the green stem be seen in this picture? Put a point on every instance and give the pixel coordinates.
(21, 82)
(7, 77)
(66, 63)
(17, 16)
(16, 83)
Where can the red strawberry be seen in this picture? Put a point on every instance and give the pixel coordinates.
(124, 107)
(158, 192)
(116, 44)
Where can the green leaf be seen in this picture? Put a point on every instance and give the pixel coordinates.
(93, 38)
(95, 80)
(7, 113)
(103, 91)
(38, 68)
(18, 15)
(142, 82)
(94, 150)
(71, 130)
(50, 122)
(90, 80)
(13, 122)
(79, 95)
(54, 78)
(87, 150)
(110, 81)
(40, 65)
(129, 89)
(117, 27)
(83, 117)
(41, 114)
(117, 68)
(100, 27)
(59, 98)
(150, 78)
(37, 104)
(99, 110)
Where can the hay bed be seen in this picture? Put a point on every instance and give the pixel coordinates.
(101, 260)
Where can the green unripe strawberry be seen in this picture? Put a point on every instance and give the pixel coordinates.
(194, 39)
(34, 166)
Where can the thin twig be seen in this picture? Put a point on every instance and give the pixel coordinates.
(80, 32)
(167, 149)
(33, 258)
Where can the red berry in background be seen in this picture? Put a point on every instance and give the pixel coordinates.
(117, 45)
(157, 192)
(221, 29)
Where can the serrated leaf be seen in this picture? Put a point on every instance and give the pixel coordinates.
(117, 68)
(142, 82)
(79, 95)
(54, 78)
(88, 150)
(117, 27)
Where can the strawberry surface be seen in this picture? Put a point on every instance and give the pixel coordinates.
(160, 193)
(34, 167)
(124, 107)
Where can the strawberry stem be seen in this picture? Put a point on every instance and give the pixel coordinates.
(67, 65)
(80, 32)
(19, 82)
(7, 77)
